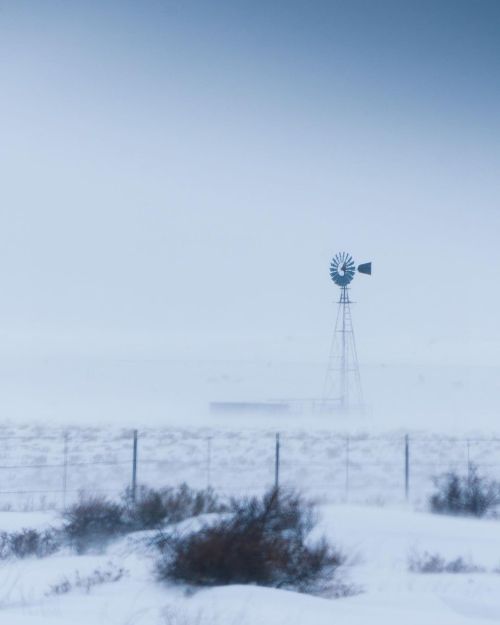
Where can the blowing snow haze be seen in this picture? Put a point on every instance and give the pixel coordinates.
(175, 178)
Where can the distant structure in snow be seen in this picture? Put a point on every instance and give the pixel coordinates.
(342, 386)
(342, 390)
(238, 407)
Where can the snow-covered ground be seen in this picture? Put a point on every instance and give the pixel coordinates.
(377, 540)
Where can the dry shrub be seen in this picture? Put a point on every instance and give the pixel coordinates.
(154, 508)
(107, 575)
(434, 563)
(92, 522)
(264, 541)
(28, 543)
(470, 494)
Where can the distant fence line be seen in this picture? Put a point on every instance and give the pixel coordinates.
(49, 471)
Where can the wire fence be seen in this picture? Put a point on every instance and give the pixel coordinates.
(48, 471)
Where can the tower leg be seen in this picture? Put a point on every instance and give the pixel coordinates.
(342, 388)
(344, 398)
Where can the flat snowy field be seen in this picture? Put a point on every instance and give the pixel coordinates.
(378, 541)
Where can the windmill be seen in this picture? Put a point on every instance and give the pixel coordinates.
(343, 381)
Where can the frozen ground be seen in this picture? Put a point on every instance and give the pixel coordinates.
(379, 542)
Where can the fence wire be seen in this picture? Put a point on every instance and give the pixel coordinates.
(49, 471)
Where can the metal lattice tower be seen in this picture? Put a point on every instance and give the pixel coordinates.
(342, 388)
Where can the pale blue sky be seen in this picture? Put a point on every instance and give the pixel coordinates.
(176, 176)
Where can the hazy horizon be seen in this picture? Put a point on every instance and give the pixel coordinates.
(177, 175)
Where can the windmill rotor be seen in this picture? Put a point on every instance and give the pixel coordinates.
(342, 269)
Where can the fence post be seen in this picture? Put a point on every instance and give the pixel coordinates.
(134, 467)
(65, 470)
(407, 467)
(469, 472)
(209, 460)
(347, 449)
(277, 462)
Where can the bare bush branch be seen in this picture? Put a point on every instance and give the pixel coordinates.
(263, 541)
